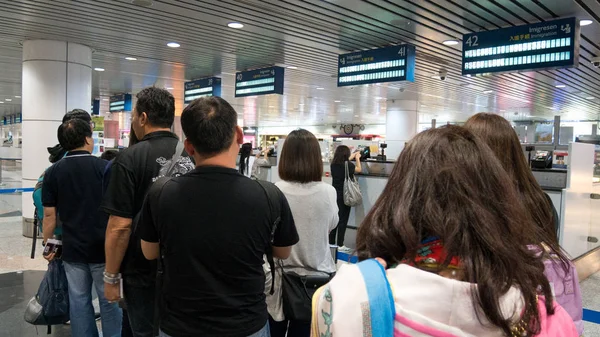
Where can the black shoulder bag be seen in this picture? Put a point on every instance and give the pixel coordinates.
(275, 211)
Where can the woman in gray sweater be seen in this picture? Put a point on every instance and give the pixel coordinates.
(315, 211)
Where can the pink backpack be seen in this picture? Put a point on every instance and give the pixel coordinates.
(558, 325)
(565, 286)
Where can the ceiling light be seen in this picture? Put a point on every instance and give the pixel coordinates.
(1, 102)
(338, 120)
(355, 115)
(337, 101)
(585, 22)
(468, 75)
(450, 42)
(590, 97)
(292, 67)
(131, 59)
(173, 45)
(17, 96)
(320, 88)
(423, 106)
(561, 86)
(99, 69)
(8, 99)
(270, 106)
(488, 91)
(169, 88)
(235, 25)
(105, 99)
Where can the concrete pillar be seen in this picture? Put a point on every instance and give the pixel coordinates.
(57, 77)
(401, 125)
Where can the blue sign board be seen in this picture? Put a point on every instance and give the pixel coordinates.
(201, 88)
(120, 103)
(96, 107)
(5, 122)
(390, 64)
(18, 118)
(545, 45)
(259, 82)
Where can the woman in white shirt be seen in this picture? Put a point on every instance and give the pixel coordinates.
(315, 211)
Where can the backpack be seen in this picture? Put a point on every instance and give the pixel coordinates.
(38, 216)
(566, 289)
(50, 306)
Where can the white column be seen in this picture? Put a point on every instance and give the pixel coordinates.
(401, 125)
(57, 77)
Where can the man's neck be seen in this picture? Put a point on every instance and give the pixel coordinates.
(83, 148)
(151, 129)
(222, 160)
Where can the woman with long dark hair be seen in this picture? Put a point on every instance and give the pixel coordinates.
(504, 142)
(450, 225)
(338, 175)
(245, 155)
(313, 205)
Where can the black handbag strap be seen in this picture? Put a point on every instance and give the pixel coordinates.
(275, 210)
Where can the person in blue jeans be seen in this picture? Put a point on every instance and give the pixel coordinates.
(73, 191)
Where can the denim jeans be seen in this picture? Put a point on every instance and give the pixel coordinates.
(80, 277)
(264, 332)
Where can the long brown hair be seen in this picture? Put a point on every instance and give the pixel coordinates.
(504, 142)
(301, 160)
(341, 155)
(448, 183)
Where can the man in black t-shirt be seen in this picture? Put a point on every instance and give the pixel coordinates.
(214, 226)
(131, 175)
(72, 192)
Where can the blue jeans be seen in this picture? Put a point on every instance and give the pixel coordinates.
(81, 276)
(264, 332)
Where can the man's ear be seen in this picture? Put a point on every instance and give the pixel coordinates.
(189, 148)
(239, 135)
(143, 118)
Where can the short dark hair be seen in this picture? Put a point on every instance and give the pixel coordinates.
(73, 134)
(301, 160)
(109, 155)
(158, 104)
(209, 124)
(79, 114)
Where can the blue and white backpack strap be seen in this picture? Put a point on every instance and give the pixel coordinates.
(381, 310)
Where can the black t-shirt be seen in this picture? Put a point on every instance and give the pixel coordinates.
(338, 175)
(214, 226)
(74, 186)
(131, 174)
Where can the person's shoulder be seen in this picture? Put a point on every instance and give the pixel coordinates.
(328, 188)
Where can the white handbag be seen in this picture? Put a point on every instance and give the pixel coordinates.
(352, 195)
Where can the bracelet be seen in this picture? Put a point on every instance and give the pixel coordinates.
(112, 278)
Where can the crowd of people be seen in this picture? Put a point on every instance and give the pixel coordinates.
(178, 241)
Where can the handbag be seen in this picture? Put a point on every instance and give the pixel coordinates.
(352, 195)
(298, 291)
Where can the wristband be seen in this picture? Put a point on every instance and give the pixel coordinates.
(112, 278)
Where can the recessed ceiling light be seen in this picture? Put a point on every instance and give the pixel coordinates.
(320, 88)
(235, 25)
(270, 106)
(450, 42)
(468, 75)
(1, 102)
(169, 88)
(488, 91)
(292, 67)
(131, 59)
(590, 97)
(355, 115)
(173, 45)
(561, 86)
(423, 106)
(17, 96)
(99, 69)
(337, 101)
(585, 22)
(8, 99)
(338, 120)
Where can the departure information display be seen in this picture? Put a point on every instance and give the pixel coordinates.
(120, 103)
(259, 82)
(390, 64)
(545, 45)
(201, 88)
(95, 107)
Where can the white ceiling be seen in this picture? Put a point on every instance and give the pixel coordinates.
(308, 34)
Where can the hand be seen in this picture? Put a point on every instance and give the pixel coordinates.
(357, 156)
(111, 292)
(353, 155)
(50, 256)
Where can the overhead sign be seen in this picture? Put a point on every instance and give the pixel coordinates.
(120, 103)
(259, 82)
(201, 88)
(390, 64)
(18, 118)
(96, 107)
(545, 45)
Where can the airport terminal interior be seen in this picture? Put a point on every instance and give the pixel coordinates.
(368, 74)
